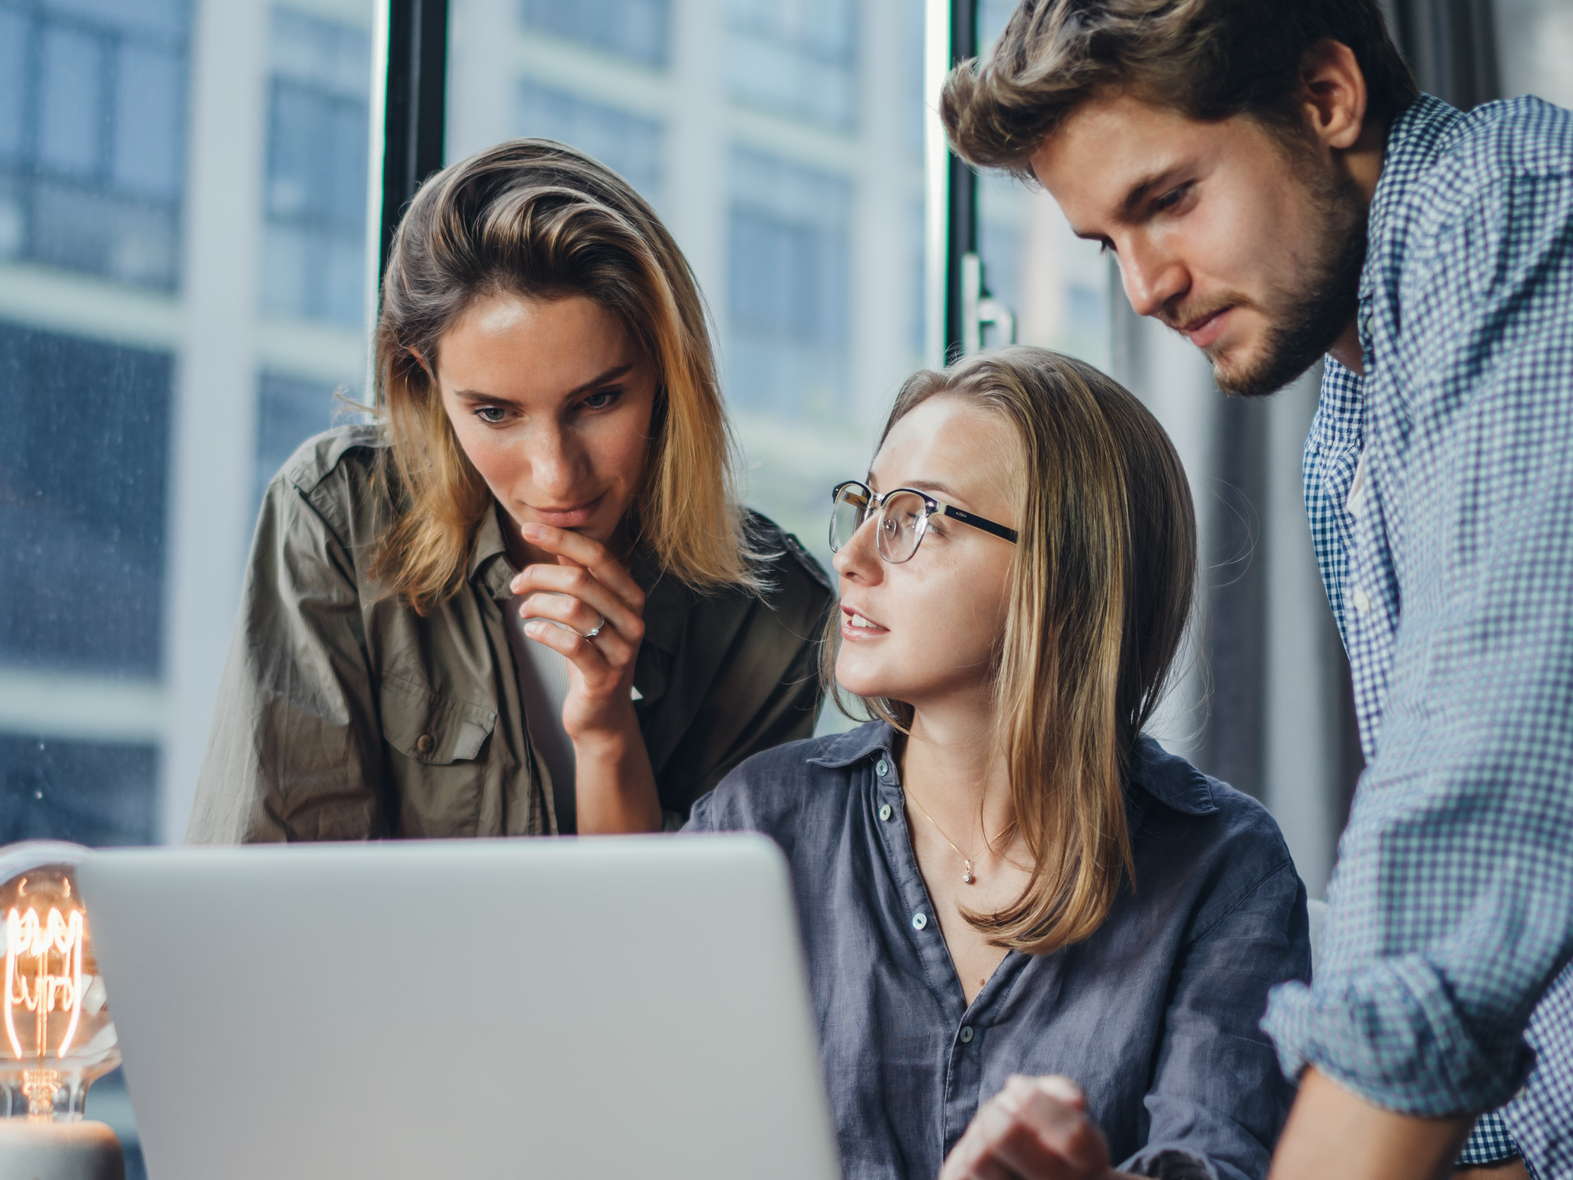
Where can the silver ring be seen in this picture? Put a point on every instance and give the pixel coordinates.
(595, 630)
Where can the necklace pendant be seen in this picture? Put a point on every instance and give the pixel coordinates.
(967, 877)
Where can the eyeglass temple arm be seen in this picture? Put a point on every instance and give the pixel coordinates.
(976, 522)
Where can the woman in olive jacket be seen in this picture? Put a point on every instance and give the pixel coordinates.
(527, 600)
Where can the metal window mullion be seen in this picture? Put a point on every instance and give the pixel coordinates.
(413, 97)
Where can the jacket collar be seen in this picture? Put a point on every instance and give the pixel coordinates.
(1165, 777)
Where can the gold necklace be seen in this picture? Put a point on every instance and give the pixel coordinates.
(966, 877)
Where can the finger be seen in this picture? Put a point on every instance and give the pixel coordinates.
(1047, 1124)
(1013, 1142)
(972, 1159)
(544, 584)
(1020, 1088)
(581, 620)
(576, 581)
(581, 652)
(591, 554)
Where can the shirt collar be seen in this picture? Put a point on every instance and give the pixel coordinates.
(489, 562)
(1166, 777)
(1413, 141)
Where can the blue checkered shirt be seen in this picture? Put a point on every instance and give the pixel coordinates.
(1440, 493)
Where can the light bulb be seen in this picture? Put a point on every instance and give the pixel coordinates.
(56, 1036)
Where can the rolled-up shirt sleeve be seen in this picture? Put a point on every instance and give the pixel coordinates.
(1452, 905)
(1217, 1101)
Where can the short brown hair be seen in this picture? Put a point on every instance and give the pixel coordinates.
(1208, 59)
(1100, 598)
(538, 219)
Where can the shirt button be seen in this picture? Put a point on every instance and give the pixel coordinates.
(966, 1034)
(424, 743)
(884, 812)
(919, 921)
(883, 768)
(1362, 600)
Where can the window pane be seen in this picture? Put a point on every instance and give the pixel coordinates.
(316, 183)
(627, 143)
(788, 287)
(633, 29)
(1535, 39)
(71, 103)
(147, 17)
(794, 57)
(1055, 284)
(148, 110)
(94, 793)
(14, 32)
(82, 515)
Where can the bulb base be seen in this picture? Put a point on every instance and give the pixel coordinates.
(41, 1149)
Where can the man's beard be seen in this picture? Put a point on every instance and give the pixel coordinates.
(1303, 324)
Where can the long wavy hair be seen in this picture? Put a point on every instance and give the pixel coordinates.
(1099, 602)
(540, 220)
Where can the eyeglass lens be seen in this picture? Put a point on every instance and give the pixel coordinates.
(847, 515)
(901, 522)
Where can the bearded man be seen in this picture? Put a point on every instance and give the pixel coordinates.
(1275, 187)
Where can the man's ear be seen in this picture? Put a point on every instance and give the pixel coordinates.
(1333, 93)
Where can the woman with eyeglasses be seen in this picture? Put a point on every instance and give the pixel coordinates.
(1038, 944)
(528, 599)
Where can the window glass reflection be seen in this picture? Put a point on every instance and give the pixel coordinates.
(315, 257)
(91, 136)
(788, 286)
(1055, 284)
(794, 57)
(628, 143)
(633, 29)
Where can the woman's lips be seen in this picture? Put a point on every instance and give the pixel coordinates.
(855, 626)
(568, 518)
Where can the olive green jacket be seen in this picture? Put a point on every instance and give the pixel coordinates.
(344, 715)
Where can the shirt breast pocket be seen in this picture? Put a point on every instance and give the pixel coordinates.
(437, 758)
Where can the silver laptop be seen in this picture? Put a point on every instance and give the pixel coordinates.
(623, 1007)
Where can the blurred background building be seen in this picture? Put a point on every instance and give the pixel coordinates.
(183, 288)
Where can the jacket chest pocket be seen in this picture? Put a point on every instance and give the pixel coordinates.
(438, 760)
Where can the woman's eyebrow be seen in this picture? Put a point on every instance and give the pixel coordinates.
(935, 487)
(612, 374)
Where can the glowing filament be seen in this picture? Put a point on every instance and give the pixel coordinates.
(52, 982)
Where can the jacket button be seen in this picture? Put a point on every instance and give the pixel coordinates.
(884, 812)
(424, 743)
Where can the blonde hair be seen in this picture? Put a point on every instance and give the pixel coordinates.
(1099, 600)
(540, 220)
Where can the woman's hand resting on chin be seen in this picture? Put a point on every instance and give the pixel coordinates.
(586, 589)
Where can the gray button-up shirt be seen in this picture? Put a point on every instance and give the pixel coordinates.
(1155, 1015)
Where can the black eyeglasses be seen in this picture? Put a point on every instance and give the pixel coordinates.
(903, 518)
